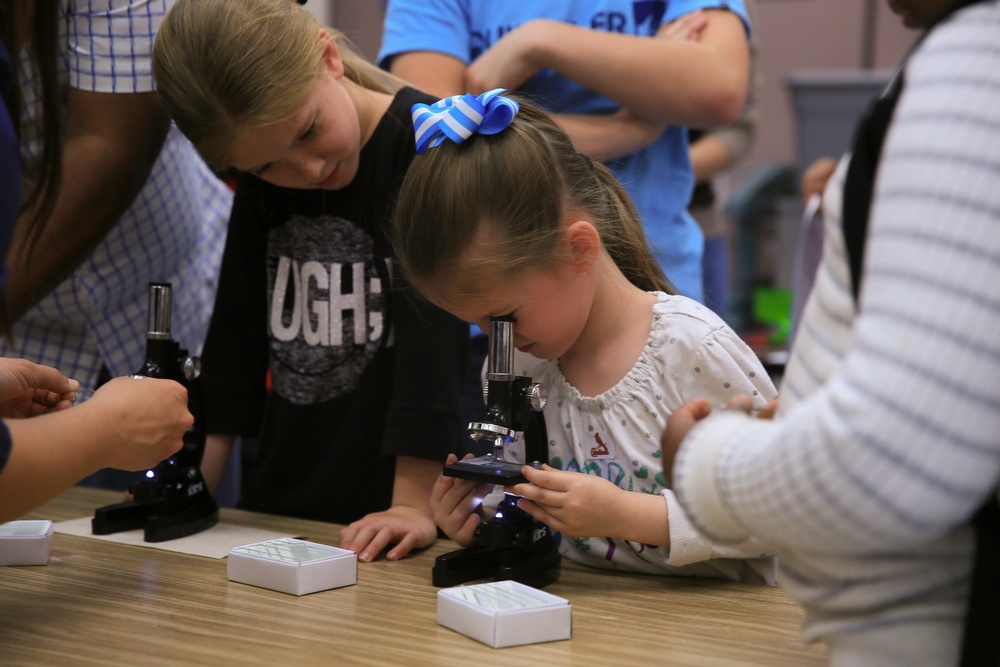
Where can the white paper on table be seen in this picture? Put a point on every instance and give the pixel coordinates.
(212, 543)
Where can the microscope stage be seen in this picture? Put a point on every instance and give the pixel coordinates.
(488, 470)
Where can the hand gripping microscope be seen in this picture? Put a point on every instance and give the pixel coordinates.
(171, 500)
(512, 544)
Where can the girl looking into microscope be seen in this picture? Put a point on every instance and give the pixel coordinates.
(365, 380)
(518, 223)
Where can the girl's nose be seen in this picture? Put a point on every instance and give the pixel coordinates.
(309, 168)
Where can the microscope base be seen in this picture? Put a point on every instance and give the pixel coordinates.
(471, 564)
(156, 527)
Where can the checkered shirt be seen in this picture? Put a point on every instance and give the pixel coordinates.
(173, 232)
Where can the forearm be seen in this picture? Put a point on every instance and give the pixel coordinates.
(608, 137)
(218, 449)
(642, 518)
(110, 147)
(50, 453)
(709, 157)
(90, 201)
(434, 73)
(721, 148)
(413, 483)
(645, 75)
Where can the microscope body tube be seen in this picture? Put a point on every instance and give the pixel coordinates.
(500, 382)
(161, 350)
(500, 361)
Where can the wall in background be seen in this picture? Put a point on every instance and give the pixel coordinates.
(799, 35)
(793, 35)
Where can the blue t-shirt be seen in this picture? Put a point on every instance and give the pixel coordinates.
(659, 178)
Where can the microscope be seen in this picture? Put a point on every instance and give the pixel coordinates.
(172, 499)
(512, 544)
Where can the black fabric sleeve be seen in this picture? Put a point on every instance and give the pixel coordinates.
(424, 419)
(235, 357)
(430, 346)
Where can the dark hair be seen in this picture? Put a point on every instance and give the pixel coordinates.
(44, 37)
(516, 186)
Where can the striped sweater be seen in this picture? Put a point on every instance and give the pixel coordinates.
(888, 435)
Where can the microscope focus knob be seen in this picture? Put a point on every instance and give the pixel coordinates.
(536, 396)
(191, 368)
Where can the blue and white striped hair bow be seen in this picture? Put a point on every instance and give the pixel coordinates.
(459, 117)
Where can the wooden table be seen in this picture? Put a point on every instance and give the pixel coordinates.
(99, 602)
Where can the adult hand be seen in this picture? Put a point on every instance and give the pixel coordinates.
(815, 178)
(680, 422)
(405, 527)
(509, 62)
(145, 420)
(689, 27)
(686, 416)
(28, 389)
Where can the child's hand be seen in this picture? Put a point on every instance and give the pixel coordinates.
(454, 502)
(406, 527)
(573, 503)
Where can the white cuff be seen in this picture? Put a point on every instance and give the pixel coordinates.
(687, 545)
(696, 476)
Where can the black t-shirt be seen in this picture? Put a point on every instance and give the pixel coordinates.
(362, 369)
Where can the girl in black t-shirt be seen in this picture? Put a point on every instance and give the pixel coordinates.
(351, 386)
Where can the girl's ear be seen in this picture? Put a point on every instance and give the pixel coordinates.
(331, 54)
(584, 243)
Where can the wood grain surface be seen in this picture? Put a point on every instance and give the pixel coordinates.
(99, 602)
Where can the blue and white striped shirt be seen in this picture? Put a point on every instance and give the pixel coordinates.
(888, 435)
(174, 230)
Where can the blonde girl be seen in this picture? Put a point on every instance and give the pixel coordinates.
(364, 382)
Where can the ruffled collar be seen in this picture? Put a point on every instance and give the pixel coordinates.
(635, 381)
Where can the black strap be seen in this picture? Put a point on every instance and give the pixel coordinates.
(981, 643)
(859, 184)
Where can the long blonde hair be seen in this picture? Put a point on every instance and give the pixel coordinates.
(518, 183)
(221, 65)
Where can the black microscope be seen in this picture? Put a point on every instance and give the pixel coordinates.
(511, 544)
(172, 499)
